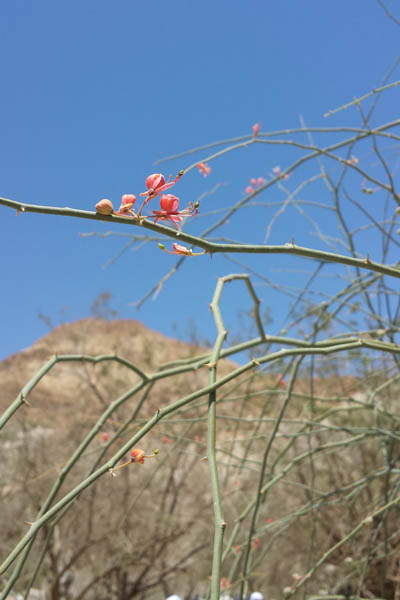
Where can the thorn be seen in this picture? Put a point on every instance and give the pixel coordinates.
(26, 401)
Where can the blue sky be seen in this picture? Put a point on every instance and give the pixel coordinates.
(94, 92)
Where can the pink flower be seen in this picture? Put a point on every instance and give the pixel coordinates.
(224, 583)
(137, 455)
(169, 205)
(253, 181)
(179, 249)
(249, 189)
(105, 436)
(204, 168)
(127, 201)
(156, 184)
(260, 180)
(166, 440)
(277, 171)
(256, 129)
(280, 381)
(104, 207)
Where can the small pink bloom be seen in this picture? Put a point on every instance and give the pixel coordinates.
(277, 171)
(104, 207)
(156, 184)
(224, 583)
(237, 548)
(249, 189)
(256, 543)
(179, 249)
(253, 181)
(204, 168)
(105, 436)
(137, 455)
(256, 129)
(169, 205)
(166, 440)
(127, 201)
(270, 520)
(260, 180)
(280, 381)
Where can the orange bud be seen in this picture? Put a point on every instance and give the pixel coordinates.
(137, 455)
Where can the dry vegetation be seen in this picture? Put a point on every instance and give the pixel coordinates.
(148, 531)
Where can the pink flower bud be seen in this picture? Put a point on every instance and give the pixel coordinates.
(104, 207)
(105, 436)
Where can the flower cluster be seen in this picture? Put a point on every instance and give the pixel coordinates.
(254, 184)
(156, 186)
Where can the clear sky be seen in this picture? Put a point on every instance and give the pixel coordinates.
(94, 92)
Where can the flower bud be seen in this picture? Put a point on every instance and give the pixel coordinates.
(137, 455)
(104, 207)
(128, 200)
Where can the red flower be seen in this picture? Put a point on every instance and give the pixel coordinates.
(204, 168)
(256, 129)
(105, 436)
(256, 543)
(166, 440)
(169, 210)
